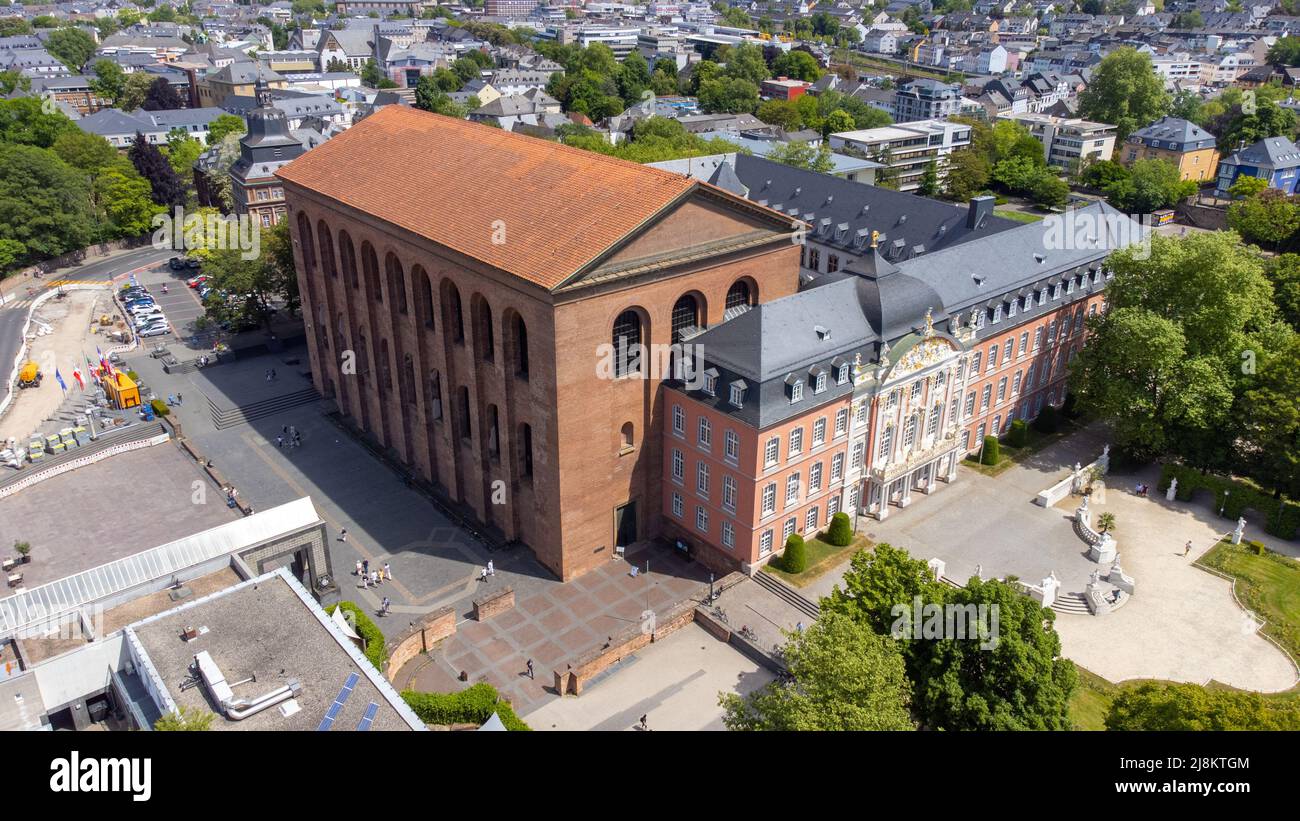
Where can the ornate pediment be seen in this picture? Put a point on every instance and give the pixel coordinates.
(927, 352)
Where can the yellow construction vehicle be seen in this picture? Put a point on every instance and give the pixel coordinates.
(29, 375)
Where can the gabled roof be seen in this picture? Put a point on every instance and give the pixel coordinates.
(452, 181)
(1175, 130)
(1273, 152)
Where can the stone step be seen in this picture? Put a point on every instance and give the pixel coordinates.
(223, 418)
(787, 594)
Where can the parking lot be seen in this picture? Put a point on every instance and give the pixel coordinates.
(180, 305)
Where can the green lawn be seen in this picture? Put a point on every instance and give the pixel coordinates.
(1018, 216)
(1008, 455)
(822, 556)
(1090, 701)
(1269, 585)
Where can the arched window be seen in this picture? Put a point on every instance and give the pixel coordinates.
(494, 434)
(627, 433)
(521, 347)
(434, 398)
(385, 369)
(408, 380)
(454, 314)
(308, 246)
(425, 283)
(686, 316)
(396, 282)
(526, 450)
(627, 342)
(486, 341)
(370, 264)
(463, 412)
(739, 295)
(326, 249)
(349, 256)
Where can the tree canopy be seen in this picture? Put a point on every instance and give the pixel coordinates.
(1126, 91)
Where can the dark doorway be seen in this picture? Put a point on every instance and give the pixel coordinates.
(625, 525)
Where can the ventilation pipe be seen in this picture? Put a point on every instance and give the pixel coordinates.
(238, 709)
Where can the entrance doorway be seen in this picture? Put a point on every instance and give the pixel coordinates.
(625, 525)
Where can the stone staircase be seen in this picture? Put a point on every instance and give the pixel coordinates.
(1071, 604)
(786, 593)
(223, 418)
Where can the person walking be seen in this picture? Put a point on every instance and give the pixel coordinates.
(492, 571)
(530, 669)
(343, 535)
(178, 398)
(279, 442)
(358, 570)
(374, 577)
(383, 607)
(644, 722)
(297, 439)
(482, 574)
(1187, 548)
(365, 566)
(388, 572)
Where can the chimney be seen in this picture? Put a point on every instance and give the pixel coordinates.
(981, 208)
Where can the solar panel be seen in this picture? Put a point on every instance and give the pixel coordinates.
(369, 717)
(333, 712)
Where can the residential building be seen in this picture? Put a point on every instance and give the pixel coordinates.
(120, 128)
(1275, 159)
(926, 100)
(907, 149)
(783, 88)
(1068, 142)
(1180, 142)
(237, 80)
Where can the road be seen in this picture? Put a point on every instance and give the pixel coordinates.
(14, 314)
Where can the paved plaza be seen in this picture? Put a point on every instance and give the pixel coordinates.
(674, 683)
(109, 510)
(1182, 625)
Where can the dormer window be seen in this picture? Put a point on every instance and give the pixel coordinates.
(1011, 307)
(711, 382)
(818, 375)
(997, 313)
(1042, 296)
(1056, 291)
(1069, 285)
(738, 394)
(795, 386)
(842, 374)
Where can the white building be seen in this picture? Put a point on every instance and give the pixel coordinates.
(906, 150)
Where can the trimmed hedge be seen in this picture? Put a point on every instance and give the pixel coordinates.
(159, 407)
(1048, 421)
(992, 451)
(840, 533)
(1282, 516)
(376, 647)
(473, 705)
(795, 558)
(1018, 437)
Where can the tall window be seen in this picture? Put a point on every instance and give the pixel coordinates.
(769, 498)
(521, 347)
(526, 444)
(627, 339)
(819, 431)
(815, 477)
(765, 543)
(810, 520)
(986, 398)
(679, 420)
(932, 427)
(886, 442)
(685, 318)
(772, 452)
(856, 461)
(705, 436)
(732, 446)
(729, 493)
(909, 432)
(1024, 343)
(970, 403)
(728, 535)
(738, 295)
(1002, 389)
(677, 505)
(701, 520)
(841, 422)
(791, 489)
(796, 442)
(702, 479)
(679, 466)
(837, 467)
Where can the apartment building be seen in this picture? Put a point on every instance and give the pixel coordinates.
(1068, 142)
(907, 149)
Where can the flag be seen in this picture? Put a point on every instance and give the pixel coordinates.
(58, 377)
(76, 374)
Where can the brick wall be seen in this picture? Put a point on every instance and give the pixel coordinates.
(494, 605)
(432, 628)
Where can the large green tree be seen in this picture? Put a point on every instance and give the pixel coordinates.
(1149, 185)
(1269, 218)
(226, 124)
(1164, 363)
(44, 203)
(25, 121)
(1191, 707)
(846, 677)
(1270, 419)
(1126, 91)
(72, 46)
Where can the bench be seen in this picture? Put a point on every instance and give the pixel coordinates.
(15, 579)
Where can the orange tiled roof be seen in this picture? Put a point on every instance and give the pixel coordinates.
(450, 180)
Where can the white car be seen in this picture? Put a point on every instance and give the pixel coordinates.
(154, 330)
(149, 319)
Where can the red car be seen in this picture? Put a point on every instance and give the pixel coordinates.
(197, 281)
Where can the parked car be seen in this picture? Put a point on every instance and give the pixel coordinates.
(142, 307)
(134, 287)
(151, 318)
(176, 263)
(154, 330)
(129, 296)
(195, 282)
(193, 264)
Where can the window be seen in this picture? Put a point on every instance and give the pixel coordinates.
(1029, 377)
(701, 519)
(997, 313)
(815, 477)
(796, 442)
(1024, 343)
(814, 259)
(1038, 337)
(737, 396)
(728, 535)
(975, 360)
(791, 489)
(862, 409)
(1015, 384)
(1007, 348)
(679, 466)
(986, 398)
(702, 479)
(705, 436)
(771, 452)
(993, 356)
(916, 390)
(627, 342)
(1051, 333)
(769, 499)
(685, 317)
(711, 384)
(932, 427)
(791, 525)
(965, 440)
(820, 384)
(819, 431)
(909, 433)
(842, 373)
(841, 422)
(729, 493)
(997, 424)
(732, 446)
(894, 396)
(678, 507)
(1002, 389)
(810, 520)
(796, 392)
(679, 420)
(970, 403)
(737, 294)
(980, 434)
(886, 442)
(856, 461)
(853, 496)
(832, 507)
(1056, 291)
(765, 543)
(832, 263)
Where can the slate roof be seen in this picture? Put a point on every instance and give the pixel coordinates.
(449, 181)
(1187, 135)
(1273, 152)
